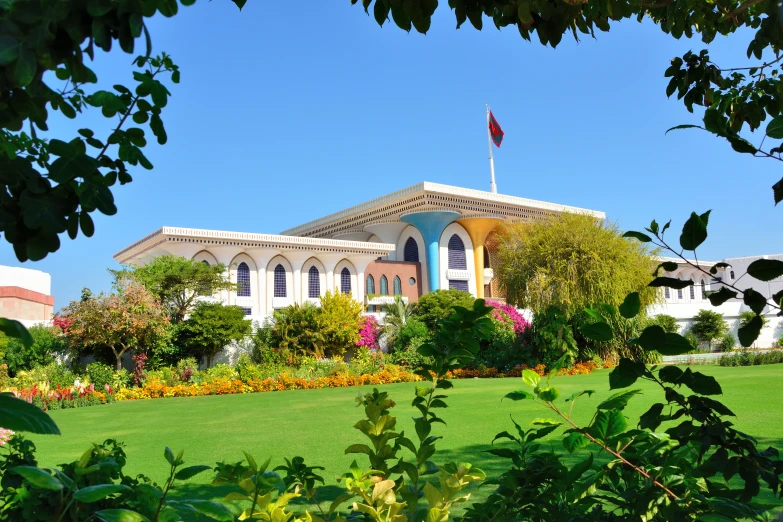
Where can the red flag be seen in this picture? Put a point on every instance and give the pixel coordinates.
(495, 131)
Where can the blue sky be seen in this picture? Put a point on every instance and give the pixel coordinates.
(285, 114)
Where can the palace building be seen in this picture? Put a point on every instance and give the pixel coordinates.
(410, 242)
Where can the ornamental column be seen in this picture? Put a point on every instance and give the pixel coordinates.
(431, 225)
(478, 229)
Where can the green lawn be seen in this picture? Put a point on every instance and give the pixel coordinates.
(318, 424)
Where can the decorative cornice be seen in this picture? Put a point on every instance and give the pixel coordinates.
(430, 196)
(209, 238)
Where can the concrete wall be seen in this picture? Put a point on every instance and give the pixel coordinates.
(34, 280)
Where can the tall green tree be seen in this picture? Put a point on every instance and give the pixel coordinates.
(177, 282)
(48, 344)
(708, 326)
(210, 327)
(572, 261)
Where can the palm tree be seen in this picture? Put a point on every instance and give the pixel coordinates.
(397, 315)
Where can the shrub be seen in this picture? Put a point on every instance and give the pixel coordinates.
(694, 342)
(293, 334)
(746, 317)
(667, 322)
(186, 367)
(408, 356)
(48, 344)
(221, 371)
(247, 370)
(552, 336)
(438, 305)
(412, 329)
(368, 333)
(54, 374)
(100, 374)
(727, 342)
(708, 326)
(366, 361)
(508, 314)
(338, 321)
(746, 358)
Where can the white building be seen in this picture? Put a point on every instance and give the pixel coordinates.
(25, 295)
(685, 304)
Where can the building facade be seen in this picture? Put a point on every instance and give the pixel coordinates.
(25, 295)
(685, 304)
(413, 241)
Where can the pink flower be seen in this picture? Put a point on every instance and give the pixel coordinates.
(5, 436)
(368, 333)
(506, 313)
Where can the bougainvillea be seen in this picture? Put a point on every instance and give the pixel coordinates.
(368, 333)
(508, 314)
(139, 360)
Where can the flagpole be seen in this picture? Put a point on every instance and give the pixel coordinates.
(492, 187)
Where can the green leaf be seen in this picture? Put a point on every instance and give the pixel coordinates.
(667, 266)
(239, 3)
(652, 337)
(20, 415)
(595, 314)
(756, 301)
(190, 471)
(86, 223)
(686, 126)
(625, 373)
(631, 305)
(721, 296)
(168, 8)
(25, 68)
(674, 344)
(530, 378)
(579, 469)
(600, 332)
(578, 394)
(765, 269)
(16, 330)
(98, 492)
(714, 269)
(671, 282)
(210, 509)
(741, 145)
(9, 50)
(607, 424)
(619, 400)
(120, 515)
(358, 448)
(703, 384)
(694, 232)
(169, 455)
(548, 394)
(97, 8)
(518, 395)
(775, 128)
(575, 441)
(748, 334)
(38, 477)
(670, 374)
(651, 419)
(644, 238)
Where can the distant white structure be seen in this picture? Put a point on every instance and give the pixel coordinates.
(686, 303)
(25, 295)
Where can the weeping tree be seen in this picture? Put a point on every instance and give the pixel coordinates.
(559, 266)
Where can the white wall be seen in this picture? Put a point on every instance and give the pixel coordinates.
(27, 278)
(456, 228)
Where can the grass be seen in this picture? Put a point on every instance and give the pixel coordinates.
(318, 424)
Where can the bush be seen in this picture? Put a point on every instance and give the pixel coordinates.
(747, 358)
(186, 368)
(368, 333)
(100, 375)
(727, 342)
(438, 305)
(412, 329)
(408, 356)
(247, 370)
(366, 361)
(339, 321)
(48, 344)
(667, 322)
(547, 326)
(221, 371)
(55, 374)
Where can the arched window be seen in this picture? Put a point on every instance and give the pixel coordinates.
(692, 291)
(703, 289)
(370, 285)
(679, 293)
(345, 281)
(384, 285)
(243, 280)
(731, 275)
(397, 285)
(667, 293)
(457, 261)
(411, 251)
(204, 291)
(313, 283)
(279, 286)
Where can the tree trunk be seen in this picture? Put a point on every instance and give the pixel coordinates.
(118, 356)
(210, 356)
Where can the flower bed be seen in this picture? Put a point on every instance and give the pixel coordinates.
(153, 388)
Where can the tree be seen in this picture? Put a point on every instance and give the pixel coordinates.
(48, 344)
(440, 304)
(733, 101)
(572, 261)
(129, 319)
(397, 316)
(708, 326)
(177, 282)
(667, 322)
(339, 322)
(295, 332)
(210, 327)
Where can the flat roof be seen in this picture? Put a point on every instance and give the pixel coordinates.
(249, 240)
(430, 196)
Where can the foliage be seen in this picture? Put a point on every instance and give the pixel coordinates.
(747, 358)
(552, 336)
(397, 316)
(440, 304)
(708, 326)
(53, 374)
(295, 332)
(571, 261)
(412, 329)
(408, 356)
(339, 320)
(745, 318)
(508, 314)
(177, 282)
(368, 333)
(210, 328)
(61, 397)
(667, 322)
(129, 318)
(47, 345)
(100, 374)
(727, 342)
(366, 360)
